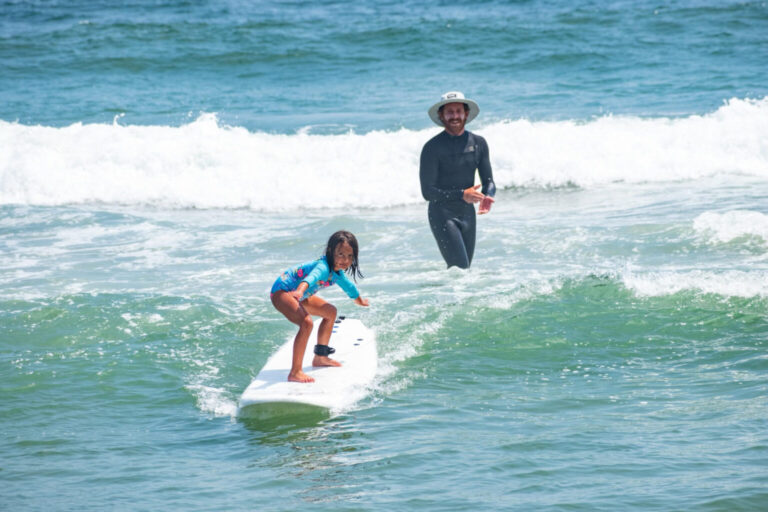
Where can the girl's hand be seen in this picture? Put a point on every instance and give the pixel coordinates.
(298, 293)
(361, 301)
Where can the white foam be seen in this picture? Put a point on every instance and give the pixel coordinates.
(202, 379)
(731, 283)
(213, 400)
(732, 225)
(205, 164)
(634, 150)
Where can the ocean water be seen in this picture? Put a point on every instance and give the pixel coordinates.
(162, 163)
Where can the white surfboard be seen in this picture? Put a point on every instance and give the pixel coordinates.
(335, 387)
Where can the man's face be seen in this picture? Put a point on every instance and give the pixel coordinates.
(454, 117)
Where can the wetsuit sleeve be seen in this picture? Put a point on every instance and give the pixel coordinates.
(484, 169)
(318, 273)
(348, 286)
(428, 174)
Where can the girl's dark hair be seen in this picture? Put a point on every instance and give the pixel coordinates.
(340, 237)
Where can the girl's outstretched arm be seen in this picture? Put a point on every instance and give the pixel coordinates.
(360, 301)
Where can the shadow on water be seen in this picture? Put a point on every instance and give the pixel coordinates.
(277, 421)
(303, 444)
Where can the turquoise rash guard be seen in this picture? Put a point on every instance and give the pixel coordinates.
(317, 275)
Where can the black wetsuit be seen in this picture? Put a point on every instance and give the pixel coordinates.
(448, 166)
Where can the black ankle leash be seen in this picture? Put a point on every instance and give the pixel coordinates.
(324, 350)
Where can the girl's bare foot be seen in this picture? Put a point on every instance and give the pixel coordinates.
(324, 361)
(299, 376)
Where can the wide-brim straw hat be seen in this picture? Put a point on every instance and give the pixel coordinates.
(453, 97)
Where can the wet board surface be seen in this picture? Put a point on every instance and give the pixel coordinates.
(334, 387)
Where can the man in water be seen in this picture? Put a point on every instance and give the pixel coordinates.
(447, 173)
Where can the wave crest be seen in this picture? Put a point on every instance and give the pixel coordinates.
(205, 164)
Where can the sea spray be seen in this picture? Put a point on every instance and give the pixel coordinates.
(207, 164)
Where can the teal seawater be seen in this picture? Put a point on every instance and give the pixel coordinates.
(373, 65)
(610, 356)
(162, 163)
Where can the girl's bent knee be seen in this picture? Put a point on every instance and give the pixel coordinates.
(306, 323)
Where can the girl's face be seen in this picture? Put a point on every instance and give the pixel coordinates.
(343, 256)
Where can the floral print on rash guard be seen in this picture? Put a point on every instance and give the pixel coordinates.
(317, 275)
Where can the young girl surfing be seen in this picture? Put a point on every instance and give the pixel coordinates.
(293, 295)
